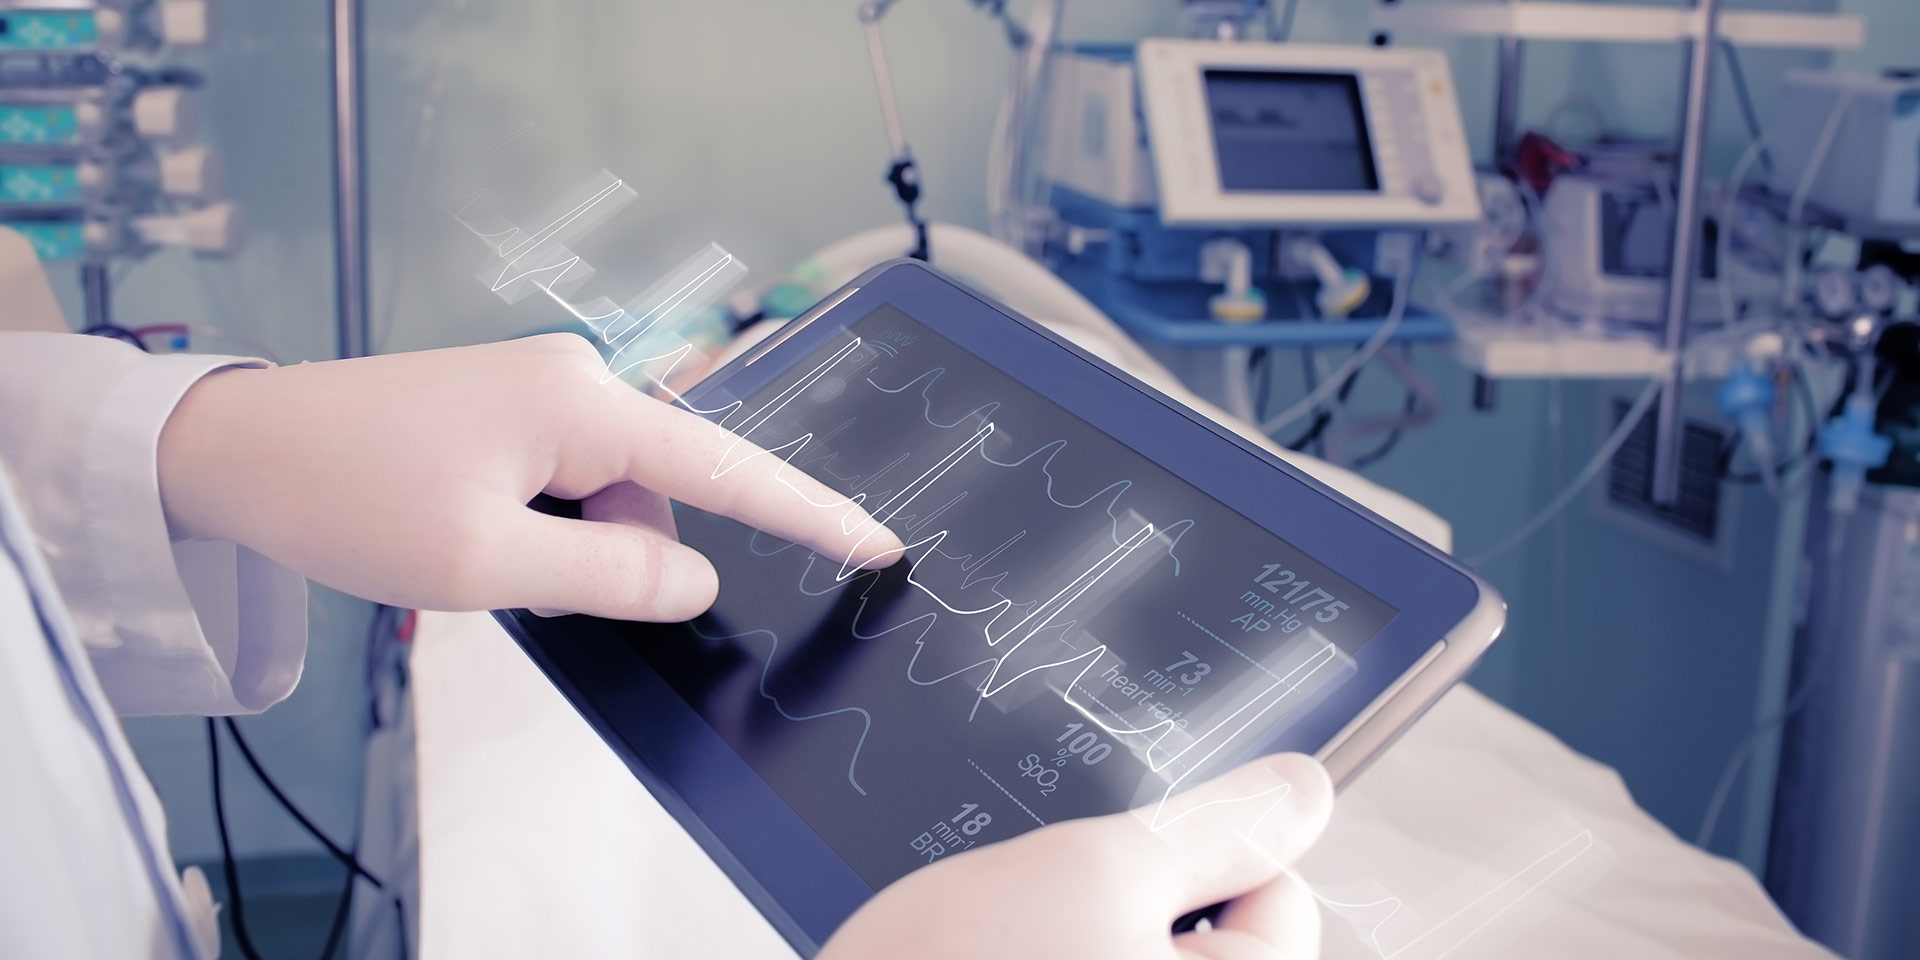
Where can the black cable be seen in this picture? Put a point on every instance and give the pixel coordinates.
(400, 915)
(116, 332)
(1745, 97)
(341, 912)
(382, 627)
(1259, 365)
(383, 622)
(742, 323)
(997, 9)
(1380, 452)
(1386, 446)
(383, 630)
(347, 859)
(236, 906)
(376, 628)
(337, 927)
(1322, 418)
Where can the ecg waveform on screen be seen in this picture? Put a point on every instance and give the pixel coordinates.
(983, 411)
(866, 719)
(1009, 627)
(1053, 449)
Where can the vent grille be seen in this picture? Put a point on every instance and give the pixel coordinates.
(1630, 477)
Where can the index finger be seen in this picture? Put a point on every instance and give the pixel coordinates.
(697, 462)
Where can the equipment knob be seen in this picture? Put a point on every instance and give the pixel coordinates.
(191, 172)
(89, 117)
(215, 228)
(1879, 288)
(165, 113)
(1833, 293)
(110, 26)
(183, 23)
(95, 178)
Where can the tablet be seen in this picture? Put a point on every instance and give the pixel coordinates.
(1106, 599)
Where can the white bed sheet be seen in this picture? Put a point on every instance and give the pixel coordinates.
(536, 841)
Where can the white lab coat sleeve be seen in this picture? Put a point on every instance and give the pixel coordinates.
(186, 627)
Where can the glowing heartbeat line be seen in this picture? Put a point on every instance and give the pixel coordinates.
(552, 231)
(1578, 844)
(525, 262)
(983, 411)
(1278, 793)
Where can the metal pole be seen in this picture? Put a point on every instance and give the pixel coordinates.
(1668, 431)
(901, 173)
(1506, 107)
(349, 185)
(94, 290)
(870, 16)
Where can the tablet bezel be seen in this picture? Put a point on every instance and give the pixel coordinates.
(1447, 615)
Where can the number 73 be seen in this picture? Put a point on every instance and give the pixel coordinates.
(1200, 669)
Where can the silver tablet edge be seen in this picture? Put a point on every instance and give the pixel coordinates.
(759, 350)
(1383, 721)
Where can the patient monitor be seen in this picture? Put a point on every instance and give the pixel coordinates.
(1296, 134)
(1260, 133)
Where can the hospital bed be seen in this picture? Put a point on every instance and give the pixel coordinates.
(1477, 836)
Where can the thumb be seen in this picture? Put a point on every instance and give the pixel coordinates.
(613, 570)
(1232, 835)
(1278, 921)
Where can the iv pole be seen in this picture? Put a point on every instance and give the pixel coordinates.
(1668, 431)
(351, 330)
(902, 173)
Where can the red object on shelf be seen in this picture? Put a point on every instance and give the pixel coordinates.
(1537, 160)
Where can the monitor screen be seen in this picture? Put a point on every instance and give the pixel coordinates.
(1290, 132)
(1075, 630)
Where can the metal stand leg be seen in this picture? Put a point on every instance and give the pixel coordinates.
(352, 333)
(1506, 113)
(1686, 233)
(96, 290)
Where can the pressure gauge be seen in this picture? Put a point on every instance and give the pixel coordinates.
(1879, 289)
(1833, 293)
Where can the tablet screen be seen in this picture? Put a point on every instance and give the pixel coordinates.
(1075, 631)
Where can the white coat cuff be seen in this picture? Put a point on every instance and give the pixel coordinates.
(193, 627)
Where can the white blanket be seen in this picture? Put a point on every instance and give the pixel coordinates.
(536, 841)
